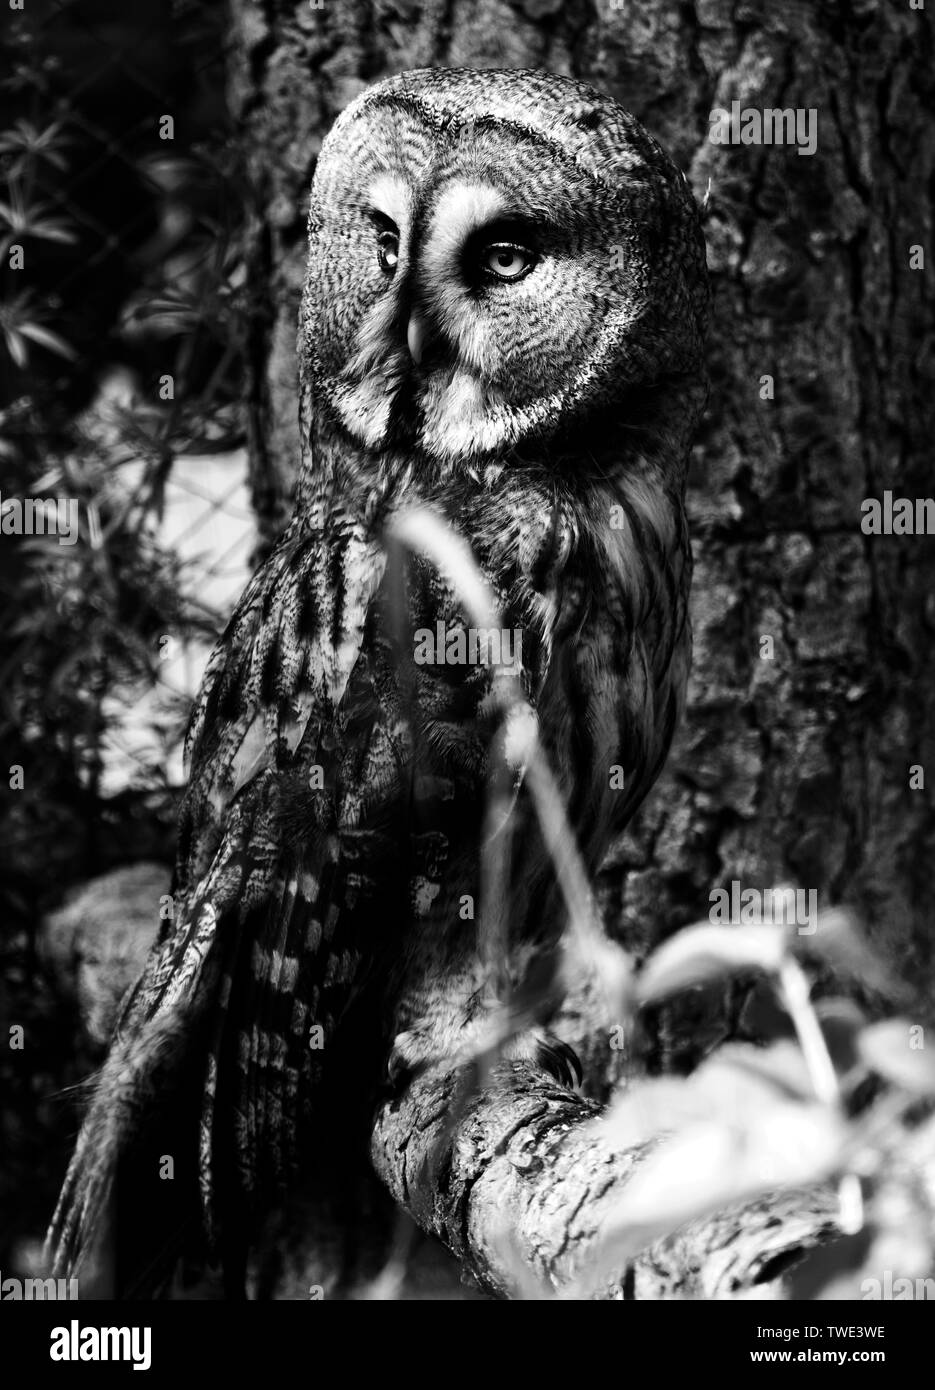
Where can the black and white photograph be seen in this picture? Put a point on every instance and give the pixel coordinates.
(467, 715)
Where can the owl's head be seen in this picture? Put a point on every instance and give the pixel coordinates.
(493, 256)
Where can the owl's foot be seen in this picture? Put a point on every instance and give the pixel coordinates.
(551, 1054)
(413, 1052)
(408, 1058)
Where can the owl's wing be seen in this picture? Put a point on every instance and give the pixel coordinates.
(261, 941)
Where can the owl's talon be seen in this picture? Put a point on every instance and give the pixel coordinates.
(405, 1061)
(559, 1060)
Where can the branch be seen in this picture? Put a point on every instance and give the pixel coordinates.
(521, 1188)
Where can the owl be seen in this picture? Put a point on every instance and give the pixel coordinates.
(502, 324)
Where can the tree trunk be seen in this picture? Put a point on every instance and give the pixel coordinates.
(813, 691)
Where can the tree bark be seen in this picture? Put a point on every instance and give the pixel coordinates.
(794, 760)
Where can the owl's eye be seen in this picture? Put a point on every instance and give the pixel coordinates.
(388, 250)
(507, 260)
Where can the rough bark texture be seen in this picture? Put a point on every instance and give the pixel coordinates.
(522, 1191)
(794, 767)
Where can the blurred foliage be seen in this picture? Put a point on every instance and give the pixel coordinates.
(131, 275)
(120, 266)
(822, 1097)
(810, 1097)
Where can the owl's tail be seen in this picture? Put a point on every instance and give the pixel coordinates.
(194, 1124)
(130, 1195)
(130, 1200)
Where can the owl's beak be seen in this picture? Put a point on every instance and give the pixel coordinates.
(415, 338)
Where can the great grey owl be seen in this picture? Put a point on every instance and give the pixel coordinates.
(503, 322)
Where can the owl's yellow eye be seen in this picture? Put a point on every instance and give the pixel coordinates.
(388, 251)
(507, 260)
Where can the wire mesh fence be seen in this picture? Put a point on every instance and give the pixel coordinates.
(122, 306)
(126, 526)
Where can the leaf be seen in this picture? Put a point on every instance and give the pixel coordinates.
(50, 229)
(705, 952)
(839, 941)
(650, 1110)
(732, 1087)
(782, 1065)
(47, 339)
(886, 1048)
(16, 347)
(708, 1167)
